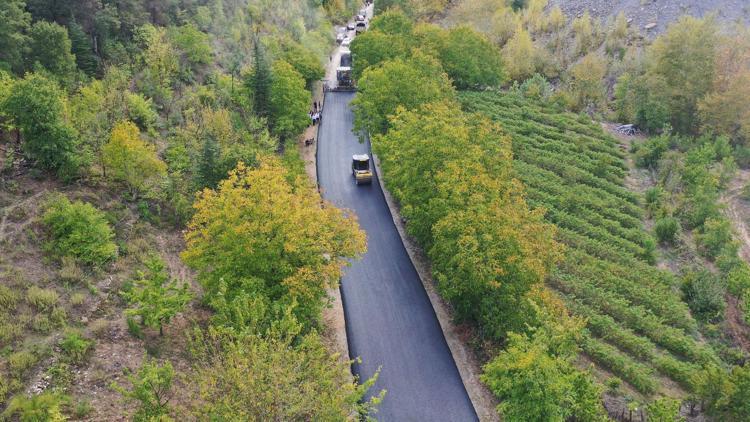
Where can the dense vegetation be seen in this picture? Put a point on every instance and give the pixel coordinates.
(567, 164)
(128, 108)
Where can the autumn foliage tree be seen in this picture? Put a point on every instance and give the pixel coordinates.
(275, 377)
(130, 160)
(264, 244)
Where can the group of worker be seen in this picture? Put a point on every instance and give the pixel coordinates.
(315, 113)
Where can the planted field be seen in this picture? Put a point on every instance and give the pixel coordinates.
(638, 327)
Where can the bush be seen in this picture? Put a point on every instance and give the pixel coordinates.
(79, 230)
(46, 406)
(8, 298)
(151, 389)
(76, 347)
(704, 294)
(42, 299)
(715, 235)
(667, 229)
(20, 362)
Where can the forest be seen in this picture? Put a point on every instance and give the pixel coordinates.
(164, 255)
(125, 125)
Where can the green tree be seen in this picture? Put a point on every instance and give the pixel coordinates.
(682, 60)
(398, 83)
(157, 298)
(194, 44)
(14, 25)
(79, 230)
(262, 244)
(50, 46)
(586, 82)
(667, 229)
(276, 378)
(209, 169)
(82, 49)
(469, 59)
(37, 105)
(151, 389)
(259, 80)
(534, 383)
(373, 48)
(392, 22)
(128, 159)
(304, 61)
(289, 101)
(451, 173)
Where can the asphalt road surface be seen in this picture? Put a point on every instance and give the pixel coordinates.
(390, 322)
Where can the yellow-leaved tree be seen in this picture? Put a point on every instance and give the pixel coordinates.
(726, 109)
(520, 55)
(129, 159)
(264, 243)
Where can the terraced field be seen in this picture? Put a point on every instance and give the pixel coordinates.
(638, 327)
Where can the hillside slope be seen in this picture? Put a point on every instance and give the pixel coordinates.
(659, 12)
(638, 328)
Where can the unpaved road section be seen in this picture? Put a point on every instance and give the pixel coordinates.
(390, 322)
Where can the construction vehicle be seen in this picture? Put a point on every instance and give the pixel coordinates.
(345, 59)
(361, 169)
(344, 76)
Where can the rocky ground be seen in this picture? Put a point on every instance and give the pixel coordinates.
(653, 16)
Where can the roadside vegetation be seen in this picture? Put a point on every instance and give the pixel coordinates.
(125, 125)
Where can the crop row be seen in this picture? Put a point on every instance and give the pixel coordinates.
(633, 235)
(575, 195)
(635, 317)
(634, 373)
(659, 299)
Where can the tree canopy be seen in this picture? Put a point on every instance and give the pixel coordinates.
(262, 243)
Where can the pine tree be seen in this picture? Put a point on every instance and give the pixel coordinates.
(209, 171)
(82, 49)
(156, 297)
(260, 80)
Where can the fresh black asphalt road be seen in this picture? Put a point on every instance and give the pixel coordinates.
(390, 322)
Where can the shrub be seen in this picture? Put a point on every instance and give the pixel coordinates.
(151, 389)
(79, 230)
(46, 406)
(69, 270)
(613, 384)
(715, 236)
(77, 299)
(42, 299)
(76, 347)
(666, 229)
(20, 362)
(8, 298)
(704, 294)
(41, 323)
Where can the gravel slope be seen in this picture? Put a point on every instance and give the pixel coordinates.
(660, 12)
